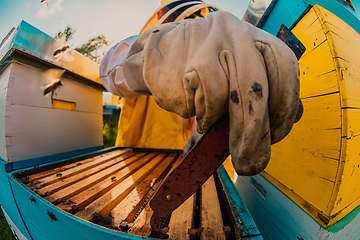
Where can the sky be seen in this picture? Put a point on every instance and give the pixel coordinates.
(115, 19)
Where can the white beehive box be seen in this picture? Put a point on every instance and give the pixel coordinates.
(35, 128)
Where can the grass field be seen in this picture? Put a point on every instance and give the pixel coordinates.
(5, 232)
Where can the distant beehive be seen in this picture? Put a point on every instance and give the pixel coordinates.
(35, 128)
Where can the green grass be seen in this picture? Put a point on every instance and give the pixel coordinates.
(110, 129)
(5, 232)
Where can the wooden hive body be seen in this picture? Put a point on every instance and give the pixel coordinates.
(310, 185)
(325, 140)
(35, 126)
(111, 190)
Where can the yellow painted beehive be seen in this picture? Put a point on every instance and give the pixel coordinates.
(318, 164)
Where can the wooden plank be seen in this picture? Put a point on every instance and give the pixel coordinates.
(314, 36)
(316, 141)
(348, 195)
(65, 227)
(316, 138)
(350, 73)
(50, 131)
(180, 221)
(317, 72)
(336, 8)
(73, 168)
(211, 218)
(29, 86)
(352, 126)
(25, 146)
(112, 196)
(4, 81)
(344, 42)
(141, 225)
(90, 168)
(109, 197)
(132, 204)
(316, 63)
(326, 158)
(49, 120)
(122, 168)
(98, 170)
(349, 69)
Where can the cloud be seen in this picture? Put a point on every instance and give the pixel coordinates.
(50, 9)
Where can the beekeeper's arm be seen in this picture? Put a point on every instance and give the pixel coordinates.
(208, 66)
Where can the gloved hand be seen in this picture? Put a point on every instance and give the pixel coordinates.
(207, 66)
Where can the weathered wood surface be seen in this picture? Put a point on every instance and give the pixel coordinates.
(113, 190)
(107, 199)
(322, 148)
(141, 226)
(60, 173)
(83, 180)
(33, 129)
(211, 218)
(180, 221)
(128, 208)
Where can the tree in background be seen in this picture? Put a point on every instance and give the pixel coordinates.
(91, 49)
(68, 32)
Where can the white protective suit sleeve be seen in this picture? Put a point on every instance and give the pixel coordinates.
(111, 69)
(208, 66)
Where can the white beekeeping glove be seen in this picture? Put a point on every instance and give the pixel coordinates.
(208, 66)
